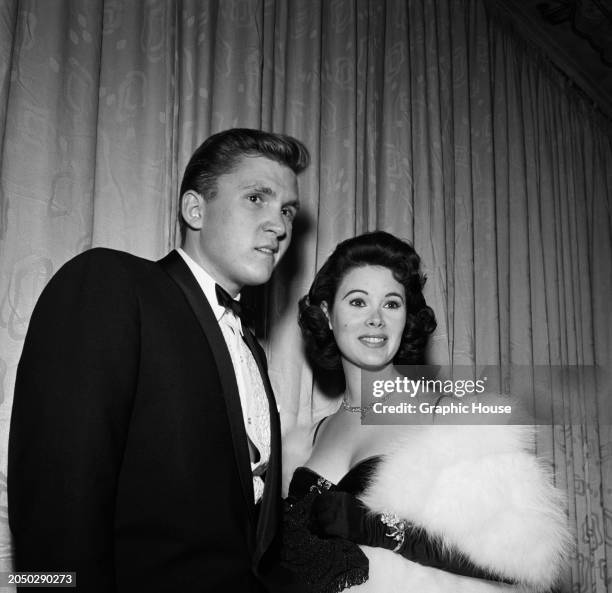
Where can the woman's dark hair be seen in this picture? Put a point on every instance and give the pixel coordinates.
(371, 249)
(220, 153)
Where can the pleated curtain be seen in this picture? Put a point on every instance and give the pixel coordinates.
(431, 119)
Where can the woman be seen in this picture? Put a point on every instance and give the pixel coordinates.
(382, 508)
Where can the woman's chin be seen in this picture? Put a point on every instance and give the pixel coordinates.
(375, 366)
(369, 362)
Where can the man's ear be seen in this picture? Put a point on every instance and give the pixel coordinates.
(192, 209)
(325, 308)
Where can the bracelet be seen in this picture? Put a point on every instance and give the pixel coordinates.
(397, 528)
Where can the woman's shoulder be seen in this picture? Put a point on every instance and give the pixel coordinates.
(298, 442)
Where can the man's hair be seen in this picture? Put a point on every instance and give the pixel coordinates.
(370, 249)
(220, 154)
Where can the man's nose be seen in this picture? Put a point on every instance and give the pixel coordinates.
(276, 223)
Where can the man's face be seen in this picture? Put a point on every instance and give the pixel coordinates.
(246, 228)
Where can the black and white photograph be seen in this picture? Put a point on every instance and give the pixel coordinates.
(306, 296)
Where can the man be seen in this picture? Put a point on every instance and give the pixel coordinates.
(144, 443)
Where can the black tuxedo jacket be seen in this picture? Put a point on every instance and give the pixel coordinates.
(128, 457)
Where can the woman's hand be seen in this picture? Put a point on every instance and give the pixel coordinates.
(339, 514)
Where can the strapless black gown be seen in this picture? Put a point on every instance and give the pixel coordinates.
(315, 564)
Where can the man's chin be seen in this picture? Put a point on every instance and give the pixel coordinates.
(257, 279)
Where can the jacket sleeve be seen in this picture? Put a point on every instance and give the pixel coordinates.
(73, 396)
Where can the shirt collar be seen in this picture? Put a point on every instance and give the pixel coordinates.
(207, 284)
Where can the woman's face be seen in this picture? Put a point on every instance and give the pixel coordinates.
(368, 316)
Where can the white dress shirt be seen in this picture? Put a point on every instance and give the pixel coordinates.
(253, 398)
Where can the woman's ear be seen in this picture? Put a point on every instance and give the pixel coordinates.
(325, 308)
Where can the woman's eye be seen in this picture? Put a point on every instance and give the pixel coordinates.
(254, 198)
(393, 305)
(357, 302)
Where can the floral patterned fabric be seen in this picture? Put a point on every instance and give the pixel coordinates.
(433, 120)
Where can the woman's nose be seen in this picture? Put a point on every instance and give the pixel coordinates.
(375, 320)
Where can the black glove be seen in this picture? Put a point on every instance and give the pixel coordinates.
(339, 514)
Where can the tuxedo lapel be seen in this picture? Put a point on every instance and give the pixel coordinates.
(178, 270)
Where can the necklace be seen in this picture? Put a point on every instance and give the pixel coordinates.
(363, 410)
(349, 408)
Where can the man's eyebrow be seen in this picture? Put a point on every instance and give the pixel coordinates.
(261, 188)
(268, 191)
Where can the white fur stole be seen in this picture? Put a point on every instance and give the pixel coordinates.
(481, 490)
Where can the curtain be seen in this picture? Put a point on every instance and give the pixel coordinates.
(432, 120)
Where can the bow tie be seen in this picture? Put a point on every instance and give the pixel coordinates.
(226, 301)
